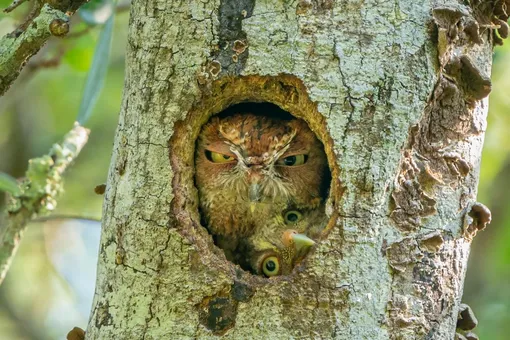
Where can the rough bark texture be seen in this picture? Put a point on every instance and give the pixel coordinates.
(395, 90)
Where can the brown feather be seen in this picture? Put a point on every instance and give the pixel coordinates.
(257, 143)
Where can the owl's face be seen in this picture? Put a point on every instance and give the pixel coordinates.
(275, 248)
(280, 257)
(260, 160)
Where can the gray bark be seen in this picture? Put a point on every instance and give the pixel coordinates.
(395, 90)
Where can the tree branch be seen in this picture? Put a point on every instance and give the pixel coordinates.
(65, 217)
(16, 50)
(13, 5)
(39, 191)
(19, 46)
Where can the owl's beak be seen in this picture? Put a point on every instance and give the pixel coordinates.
(254, 195)
(254, 192)
(302, 242)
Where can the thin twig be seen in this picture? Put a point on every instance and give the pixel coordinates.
(64, 217)
(13, 5)
(39, 191)
(47, 63)
(34, 12)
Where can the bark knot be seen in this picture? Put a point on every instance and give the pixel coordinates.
(218, 313)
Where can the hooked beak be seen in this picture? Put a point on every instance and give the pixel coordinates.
(254, 196)
(254, 178)
(254, 192)
(302, 242)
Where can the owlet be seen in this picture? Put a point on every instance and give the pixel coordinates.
(275, 248)
(249, 168)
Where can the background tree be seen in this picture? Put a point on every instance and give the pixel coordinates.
(362, 225)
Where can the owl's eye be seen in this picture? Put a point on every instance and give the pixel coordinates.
(292, 217)
(293, 160)
(271, 266)
(216, 157)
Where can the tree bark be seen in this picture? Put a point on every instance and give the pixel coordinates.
(395, 91)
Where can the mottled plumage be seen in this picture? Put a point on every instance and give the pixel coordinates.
(285, 240)
(250, 168)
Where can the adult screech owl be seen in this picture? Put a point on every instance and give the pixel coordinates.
(249, 168)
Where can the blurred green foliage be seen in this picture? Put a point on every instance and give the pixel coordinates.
(487, 288)
(42, 106)
(79, 54)
(38, 110)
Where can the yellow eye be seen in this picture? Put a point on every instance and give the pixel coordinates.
(292, 217)
(293, 160)
(271, 266)
(216, 157)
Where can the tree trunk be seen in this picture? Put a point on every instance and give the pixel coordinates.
(395, 91)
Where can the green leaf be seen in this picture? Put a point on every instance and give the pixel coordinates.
(97, 73)
(96, 12)
(9, 184)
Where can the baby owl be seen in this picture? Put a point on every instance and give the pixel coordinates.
(250, 168)
(276, 247)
